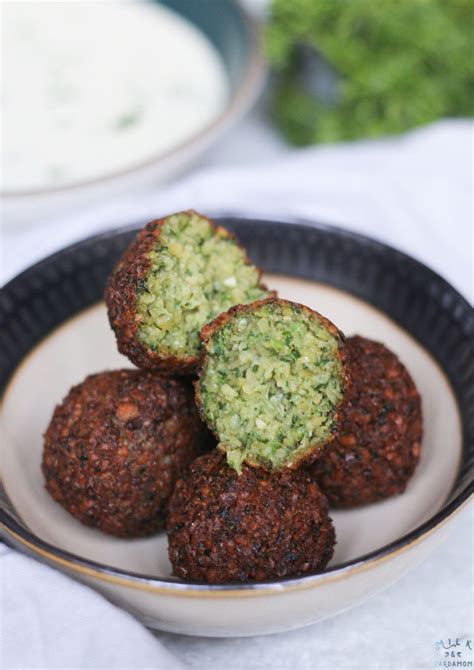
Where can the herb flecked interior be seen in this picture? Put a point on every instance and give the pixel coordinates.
(196, 273)
(271, 384)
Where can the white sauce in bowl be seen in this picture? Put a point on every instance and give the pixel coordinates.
(94, 88)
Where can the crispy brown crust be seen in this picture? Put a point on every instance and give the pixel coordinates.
(121, 295)
(116, 446)
(379, 443)
(224, 527)
(208, 331)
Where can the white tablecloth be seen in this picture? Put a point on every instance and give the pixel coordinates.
(415, 193)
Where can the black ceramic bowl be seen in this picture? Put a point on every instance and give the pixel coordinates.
(54, 332)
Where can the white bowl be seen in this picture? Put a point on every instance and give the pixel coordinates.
(236, 36)
(376, 544)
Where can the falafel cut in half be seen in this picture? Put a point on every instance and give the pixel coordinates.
(178, 274)
(379, 443)
(271, 384)
(223, 527)
(116, 445)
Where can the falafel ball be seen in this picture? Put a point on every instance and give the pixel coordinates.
(271, 384)
(178, 274)
(116, 446)
(379, 443)
(225, 527)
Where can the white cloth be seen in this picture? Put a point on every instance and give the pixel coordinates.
(50, 621)
(414, 192)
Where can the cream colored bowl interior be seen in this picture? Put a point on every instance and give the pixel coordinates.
(85, 344)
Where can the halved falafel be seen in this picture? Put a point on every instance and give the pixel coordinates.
(178, 274)
(116, 446)
(272, 381)
(379, 443)
(223, 527)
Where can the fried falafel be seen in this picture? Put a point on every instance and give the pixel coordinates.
(178, 274)
(117, 444)
(379, 443)
(225, 527)
(271, 384)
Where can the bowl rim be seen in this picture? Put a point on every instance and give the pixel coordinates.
(19, 536)
(238, 102)
(22, 538)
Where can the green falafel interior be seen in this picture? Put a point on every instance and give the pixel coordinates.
(197, 271)
(271, 383)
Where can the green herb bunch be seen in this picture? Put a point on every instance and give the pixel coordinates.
(393, 64)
